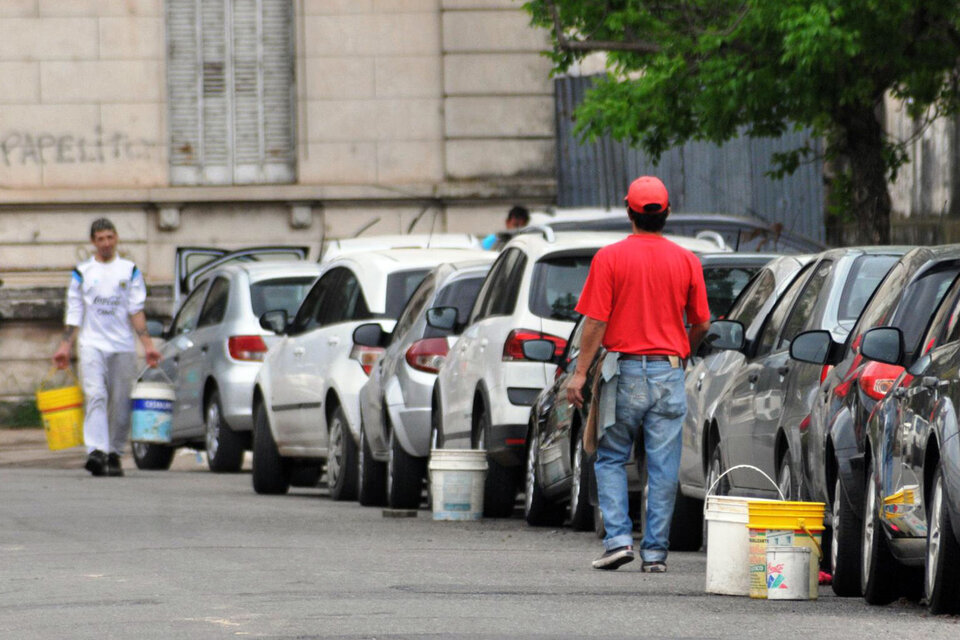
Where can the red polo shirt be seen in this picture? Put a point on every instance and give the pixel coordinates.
(641, 287)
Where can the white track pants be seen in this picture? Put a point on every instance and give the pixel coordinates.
(107, 379)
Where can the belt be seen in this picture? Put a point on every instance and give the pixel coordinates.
(676, 362)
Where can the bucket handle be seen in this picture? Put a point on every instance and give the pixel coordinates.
(53, 370)
(803, 525)
(160, 369)
(734, 468)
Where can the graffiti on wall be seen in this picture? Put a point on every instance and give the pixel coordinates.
(24, 148)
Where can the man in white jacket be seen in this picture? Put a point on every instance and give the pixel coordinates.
(105, 306)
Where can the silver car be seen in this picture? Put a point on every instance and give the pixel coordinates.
(212, 352)
(395, 402)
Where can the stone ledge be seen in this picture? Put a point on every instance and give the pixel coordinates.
(47, 302)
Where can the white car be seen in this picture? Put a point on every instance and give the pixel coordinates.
(335, 248)
(487, 385)
(305, 398)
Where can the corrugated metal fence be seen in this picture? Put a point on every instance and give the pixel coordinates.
(701, 177)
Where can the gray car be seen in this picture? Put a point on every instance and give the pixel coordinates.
(212, 352)
(395, 402)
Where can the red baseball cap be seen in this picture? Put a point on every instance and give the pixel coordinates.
(647, 194)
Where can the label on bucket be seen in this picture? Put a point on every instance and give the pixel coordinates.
(150, 420)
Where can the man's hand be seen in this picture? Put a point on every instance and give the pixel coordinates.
(575, 389)
(153, 356)
(61, 359)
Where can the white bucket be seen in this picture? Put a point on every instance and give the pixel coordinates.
(728, 545)
(151, 413)
(788, 570)
(456, 483)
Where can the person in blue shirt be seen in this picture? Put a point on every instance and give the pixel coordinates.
(517, 218)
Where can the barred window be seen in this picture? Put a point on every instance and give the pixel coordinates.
(231, 91)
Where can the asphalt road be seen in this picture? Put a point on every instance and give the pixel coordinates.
(190, 554)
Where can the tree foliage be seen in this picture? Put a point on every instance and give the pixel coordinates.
(682, 70)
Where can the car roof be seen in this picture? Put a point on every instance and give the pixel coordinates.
(884, 250)
(270, 269)
(334, 248)
(737, 258)
(543, 240)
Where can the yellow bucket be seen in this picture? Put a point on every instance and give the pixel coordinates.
(790, 524)
(62, 413)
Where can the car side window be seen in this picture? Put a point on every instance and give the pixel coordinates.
(215, 307)
(748, 305)
(497, 277)
(505, 298)
(306, 317)
(415, 307)
(774, 322)
(186, 320)
(878, 310)
(344, 302)
(803, 310)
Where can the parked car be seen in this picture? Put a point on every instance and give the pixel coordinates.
(395, 401)
(762, 408)
(212, 352)
(832, 444)
(558, 475)
(487, 385)
(335, 248)
(911, 511)
(306, 396)
(709, 373)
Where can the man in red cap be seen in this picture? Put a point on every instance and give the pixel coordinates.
(635, 298)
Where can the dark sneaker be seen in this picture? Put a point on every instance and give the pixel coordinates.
(654, 566)
(114, 468)
(96, 463)
(614, 558)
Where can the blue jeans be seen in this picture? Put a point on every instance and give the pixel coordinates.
(650, 394)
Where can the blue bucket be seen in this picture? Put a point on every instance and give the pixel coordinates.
(151, 416)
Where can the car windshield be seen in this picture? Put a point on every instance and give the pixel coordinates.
(557, 283)
(724, 284)
(864, 278)
(400, 286)
(279, 293)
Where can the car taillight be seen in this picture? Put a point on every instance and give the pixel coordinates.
(366, 356)
(247, 348)
(427, 355)
(513, 347)
(878, 378)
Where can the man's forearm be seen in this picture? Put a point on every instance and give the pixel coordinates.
(695, 335)
(139, 322)
(590, 340)
(69, 335)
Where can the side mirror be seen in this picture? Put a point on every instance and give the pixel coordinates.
(883, 344)
(155, 328)
(812, 346)
(539, 350)
(370, 335)
(726, 335)
(444, 318)
(275, 321)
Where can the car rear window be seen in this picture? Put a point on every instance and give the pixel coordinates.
(724, 284)
(400, 286)
(557, 283)
(279, 293)
(864, 278)
(461, 294)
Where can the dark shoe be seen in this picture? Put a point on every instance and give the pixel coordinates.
(614, 558)
(96, 463)
(114, 468)
(655, 566)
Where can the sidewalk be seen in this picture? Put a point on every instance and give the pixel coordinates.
(28, 448)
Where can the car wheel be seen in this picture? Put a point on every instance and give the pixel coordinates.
(342, 469)
(150, 456)
(581, 511)
(598, 527)
(538, 510)
(224, 447)
(405, 475)
(785, 478)
(716, 484)
(845, 552)
(943, 553)
(500, 487)
(371, 490)
(878, 570)
(271, 472)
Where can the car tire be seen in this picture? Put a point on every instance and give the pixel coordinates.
(598, 529)
(581, 511)
(500, 486)
(878, 569)
(845, 540)
(271, 472)
(538, 510)
(224, 447)
(785, 478)
(715, 480)
(405, 475)
(342, 472)
(150, 456)
(372, 487)
(943, 553)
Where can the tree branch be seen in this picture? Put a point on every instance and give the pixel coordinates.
(596, 45)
